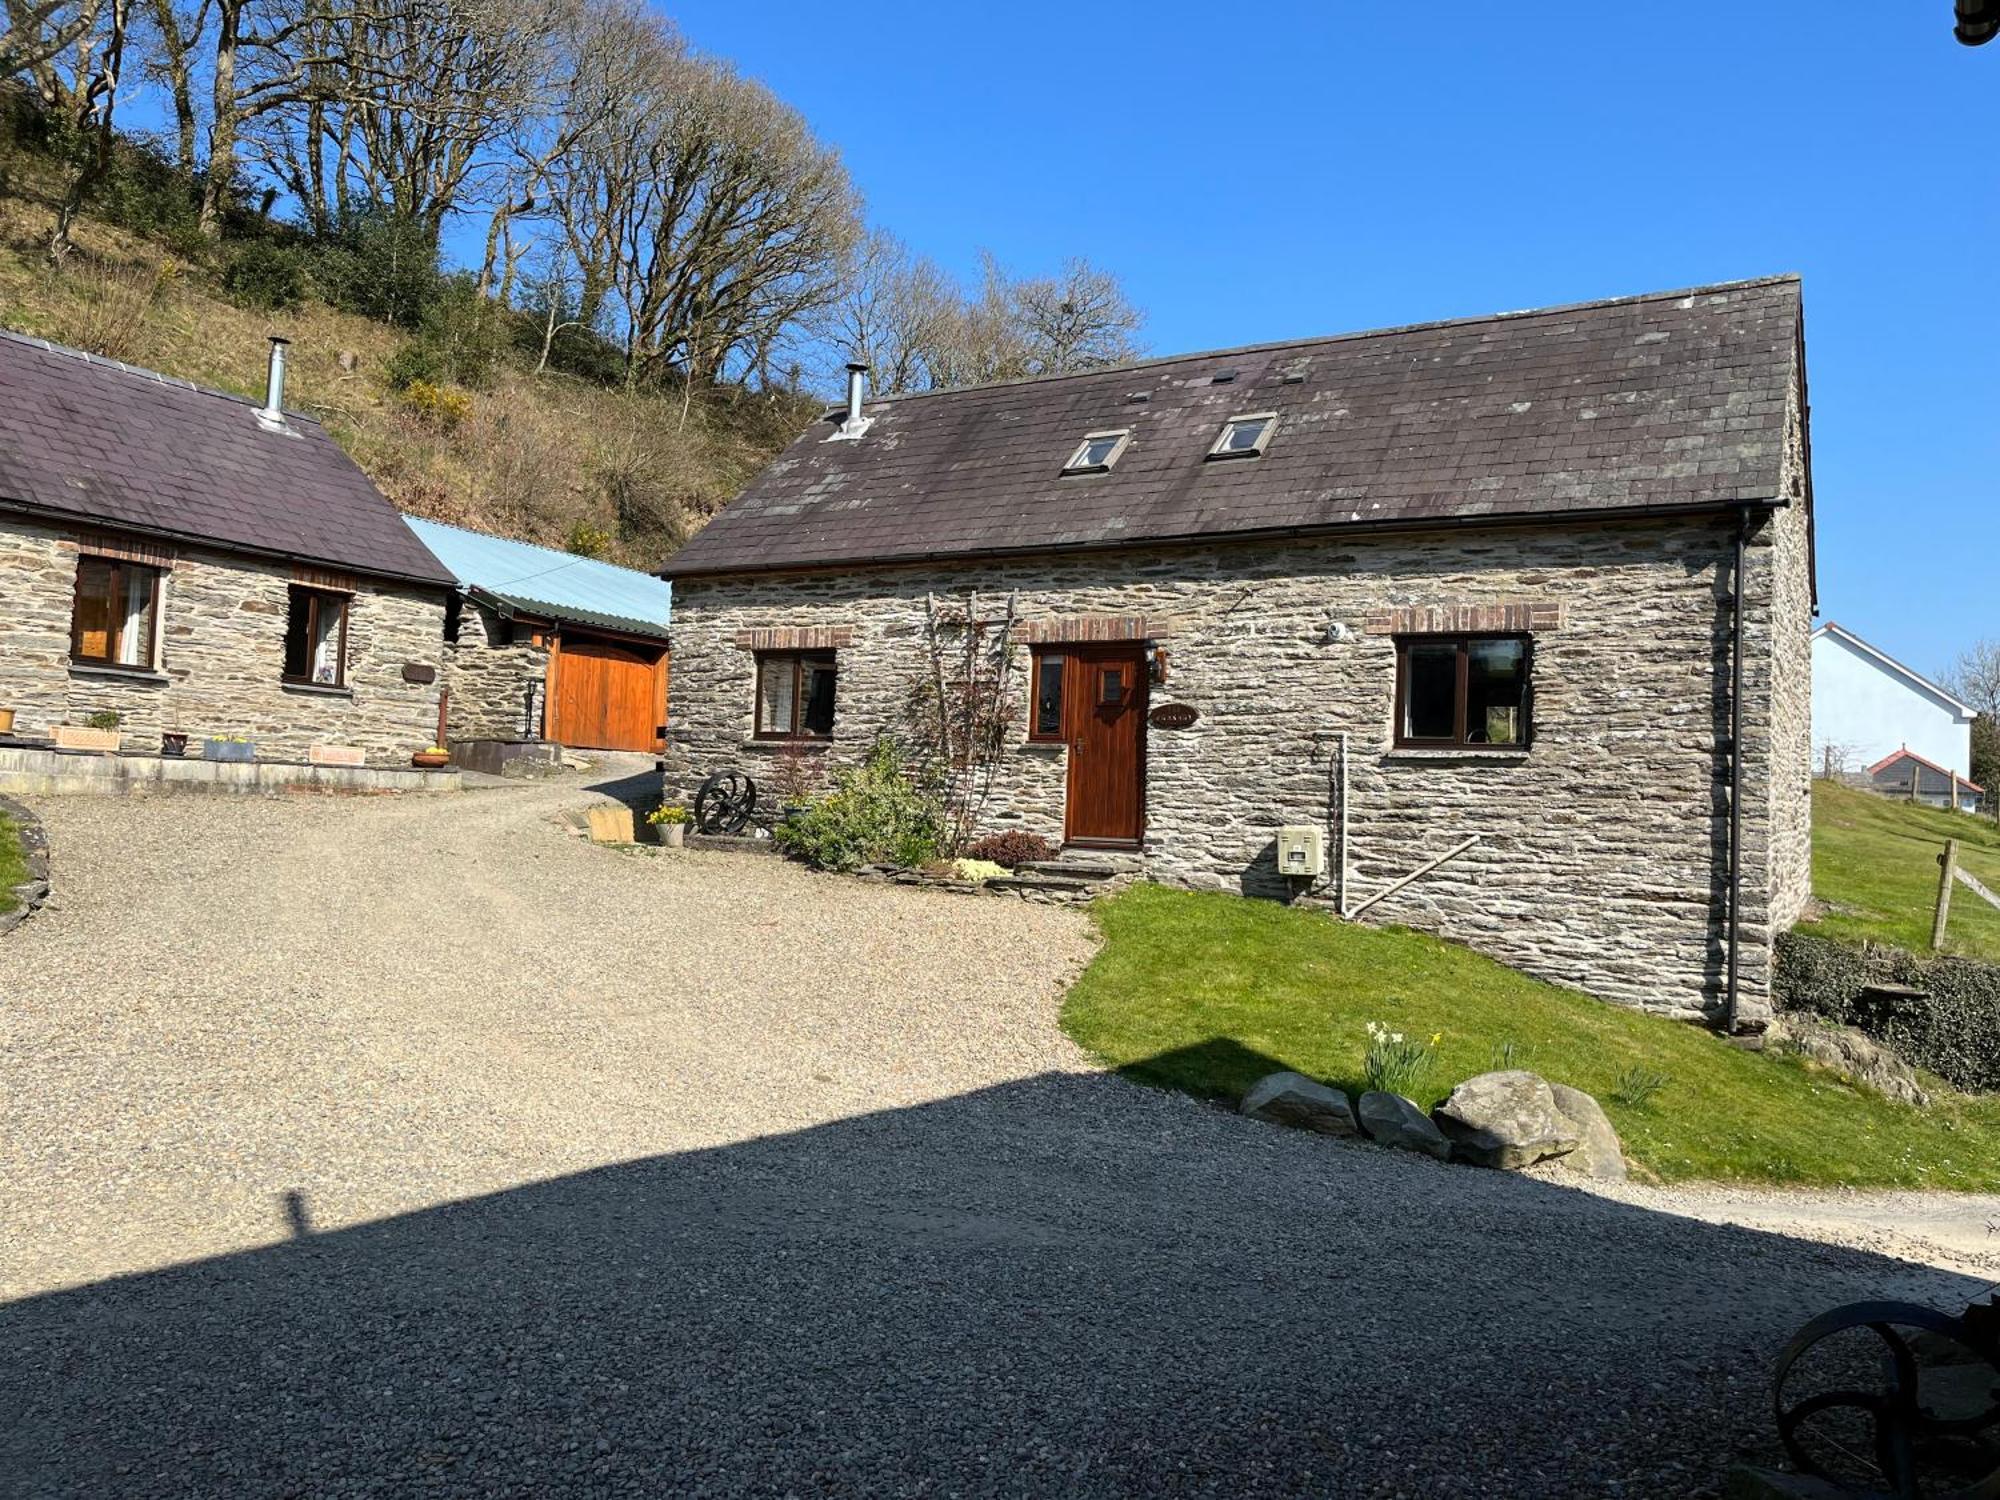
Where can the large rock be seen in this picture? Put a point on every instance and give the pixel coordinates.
(1601, 1157)
(1852, 1054)
(1507, 1120)
(1294, 1099)
(1392, 1120)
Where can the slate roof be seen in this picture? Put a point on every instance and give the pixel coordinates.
(552, 585)
(92, 440)
(1906, 753)
(1666, 401)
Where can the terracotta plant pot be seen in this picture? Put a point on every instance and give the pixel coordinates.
(75, 737)
(430, 760)
(6, 721)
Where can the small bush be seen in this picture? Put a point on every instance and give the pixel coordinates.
(104, 718)
(440, 406)
(875, 814)
(1396, 1064)
(1952, 1026)
(1012, 849)
(1636, 1086)
(379, 264)
(266, 276)
(586, 540)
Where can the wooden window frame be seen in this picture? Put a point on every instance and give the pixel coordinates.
(1463, 643)
(314, 597)
(798, 659)
(1039, 655)
(114, 636)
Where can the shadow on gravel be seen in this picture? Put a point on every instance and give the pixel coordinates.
(1058, 1286)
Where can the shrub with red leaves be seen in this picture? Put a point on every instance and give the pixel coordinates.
(1011, 849)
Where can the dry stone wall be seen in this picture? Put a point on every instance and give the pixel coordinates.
(222, 648)
(497, 680)
(1601, 856)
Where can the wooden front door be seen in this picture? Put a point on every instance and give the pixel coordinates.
(606, 695)
(1104, 693)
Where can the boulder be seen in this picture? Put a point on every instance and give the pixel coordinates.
(1294, 1099)
(1506, 1120)
(1392, 1120)
(1854, 1055)
(1601, 1157)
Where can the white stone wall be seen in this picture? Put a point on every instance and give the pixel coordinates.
(1601, 857)
(222, 649)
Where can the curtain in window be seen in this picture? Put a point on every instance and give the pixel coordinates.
(775, 683)
(326, 640)
(135, 641)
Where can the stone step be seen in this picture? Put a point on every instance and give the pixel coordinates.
(1047, 885)
(1069, 869)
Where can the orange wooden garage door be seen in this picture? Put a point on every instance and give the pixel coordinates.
(606, 694)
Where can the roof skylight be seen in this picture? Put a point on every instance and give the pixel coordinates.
(1245, 436)
(1098, 451)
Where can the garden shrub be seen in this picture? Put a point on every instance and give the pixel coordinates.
(379, 264)
(266, 276)
(1952, 1028)
(1012, 849)
(440, 406)
(876, 813)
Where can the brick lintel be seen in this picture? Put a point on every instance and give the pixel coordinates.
(1081, 629)
(1519, 616)
(820, 638)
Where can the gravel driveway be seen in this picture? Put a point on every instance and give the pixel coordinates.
(417, 1148)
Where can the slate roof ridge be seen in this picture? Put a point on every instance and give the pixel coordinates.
(1153, 362)
(140, 372)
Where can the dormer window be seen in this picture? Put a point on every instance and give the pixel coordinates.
(1098, 451)
(1245, 436)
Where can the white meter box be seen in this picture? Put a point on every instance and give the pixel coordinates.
(1301, 851)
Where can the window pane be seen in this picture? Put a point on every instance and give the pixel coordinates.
(297, 619)
(819, 679)
(326, 639)
(1097, 451)
(1111, 686)
(1430, 692)
(135, 638)
(1048, 696)
(91, 628)
(774, 694)
(1496, 693)
(1243, 437)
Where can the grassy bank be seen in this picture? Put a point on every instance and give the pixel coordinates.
(1206, 992)
(1875, 869)
(13, 865)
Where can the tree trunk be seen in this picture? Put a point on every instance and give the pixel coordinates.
(221, 172)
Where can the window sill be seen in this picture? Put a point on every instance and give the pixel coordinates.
(773, 745)
(117, 673)
(318, 689)
(1044, 744)
(1512, 755)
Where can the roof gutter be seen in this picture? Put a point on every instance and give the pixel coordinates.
(1241, 538)
(69, 518)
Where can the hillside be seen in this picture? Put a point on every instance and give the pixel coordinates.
(549, 458)
(1875, 872)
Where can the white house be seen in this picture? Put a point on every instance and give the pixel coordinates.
(1867, 706)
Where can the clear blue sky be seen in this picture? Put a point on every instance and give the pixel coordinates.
(1271, 171)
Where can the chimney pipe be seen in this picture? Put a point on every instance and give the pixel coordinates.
(273, 414)
(855, 372)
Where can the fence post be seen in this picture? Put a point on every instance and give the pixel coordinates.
(1947, 873)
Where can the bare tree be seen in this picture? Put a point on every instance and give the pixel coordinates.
(86, 81)
(1078, 319)
(170, 40)
(36, 33)
(1975, 677)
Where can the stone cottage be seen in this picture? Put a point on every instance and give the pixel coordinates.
(549, 648)
(198, 564)
(1536, 588)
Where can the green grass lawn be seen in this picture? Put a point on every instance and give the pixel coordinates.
(13, 867)
(1875, 866)
(1206, 992)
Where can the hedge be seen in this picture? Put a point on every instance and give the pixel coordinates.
(1952, 1027)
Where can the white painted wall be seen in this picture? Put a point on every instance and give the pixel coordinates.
(1867, 710)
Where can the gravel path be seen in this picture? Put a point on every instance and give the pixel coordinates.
(418, 1148)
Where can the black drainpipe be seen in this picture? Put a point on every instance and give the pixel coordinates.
(1729, 1004)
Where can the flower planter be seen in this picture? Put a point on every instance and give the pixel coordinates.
(6, 721)
(237, 750)
(74, 737)
(430, 760)
(671, 835)
(173, 745)
(336, 755)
